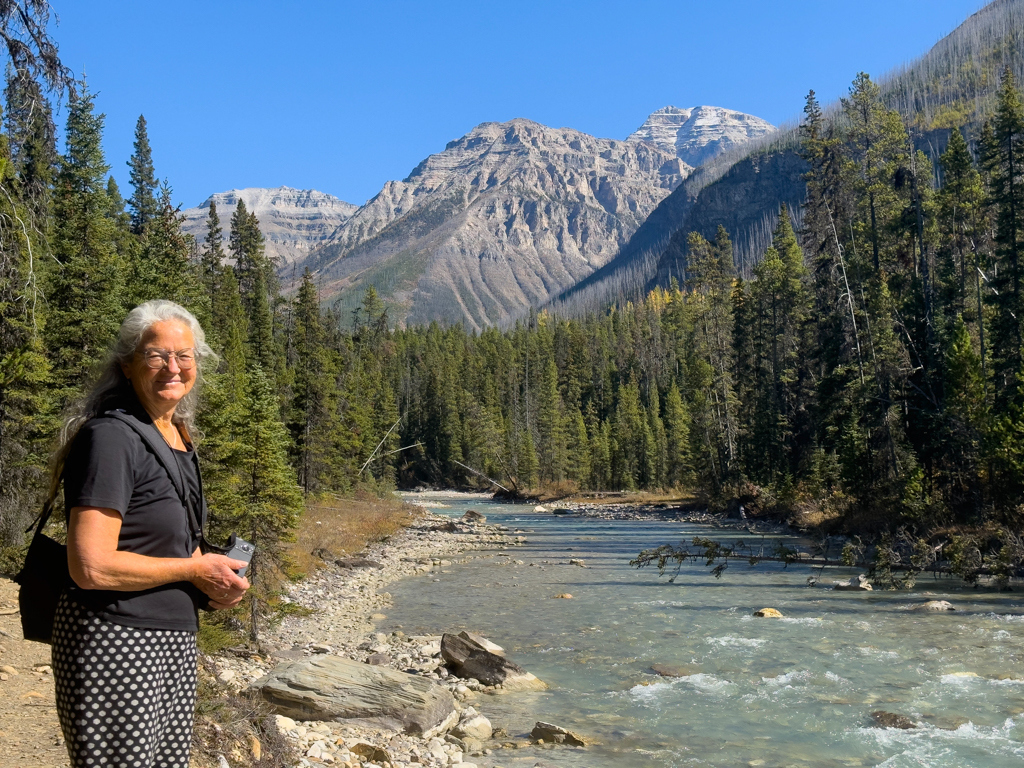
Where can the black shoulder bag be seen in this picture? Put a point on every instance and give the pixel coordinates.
(42, 579)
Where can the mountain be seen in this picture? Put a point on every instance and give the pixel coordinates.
(952, 86)
(698, 134)
(502, 219)
(293, 221)
(511, 214)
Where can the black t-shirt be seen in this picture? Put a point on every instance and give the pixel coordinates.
(110, 466)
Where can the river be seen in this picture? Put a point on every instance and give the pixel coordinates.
(797, 691)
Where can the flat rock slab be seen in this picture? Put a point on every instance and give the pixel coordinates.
(334, 688)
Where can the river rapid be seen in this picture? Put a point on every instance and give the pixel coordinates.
(796, 691)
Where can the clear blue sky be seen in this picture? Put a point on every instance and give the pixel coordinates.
(342, 96)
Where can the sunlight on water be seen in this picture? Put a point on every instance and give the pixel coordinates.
(797, 691)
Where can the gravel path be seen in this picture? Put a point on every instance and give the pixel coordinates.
(29, 732)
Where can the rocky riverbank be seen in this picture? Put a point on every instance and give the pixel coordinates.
(342, 603)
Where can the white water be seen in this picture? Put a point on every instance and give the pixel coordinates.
(762, 692)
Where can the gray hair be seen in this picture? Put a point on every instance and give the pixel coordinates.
(112, 382)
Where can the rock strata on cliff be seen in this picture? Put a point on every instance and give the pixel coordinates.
(505, 217)
(293, 221)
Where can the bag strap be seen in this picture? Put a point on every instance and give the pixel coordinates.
(159, 447)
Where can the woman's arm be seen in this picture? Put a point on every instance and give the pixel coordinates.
(96, 563)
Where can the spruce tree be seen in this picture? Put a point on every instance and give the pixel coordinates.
(24, 370)
(144, 204)
(313, 407)
(85, 284)
(1004, 155)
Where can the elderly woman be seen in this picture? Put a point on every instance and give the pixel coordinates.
(124, 639)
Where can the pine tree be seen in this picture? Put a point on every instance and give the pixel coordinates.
(960, 216)
(24, 407)
(144, 204)
(32, 145)
(257, 494)
(1004, 156)
(86, 284)
(677, 435)
(313, 408)
(779, 309)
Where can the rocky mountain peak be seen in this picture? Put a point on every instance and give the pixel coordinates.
(697, 134)
(293, 221)
(500, 220)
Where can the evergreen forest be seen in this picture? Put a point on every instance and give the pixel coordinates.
(869, 374)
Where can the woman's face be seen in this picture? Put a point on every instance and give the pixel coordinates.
(160, 389)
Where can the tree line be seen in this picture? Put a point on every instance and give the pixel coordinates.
(870, 369)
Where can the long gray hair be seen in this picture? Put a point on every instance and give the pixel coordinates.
(112, 383)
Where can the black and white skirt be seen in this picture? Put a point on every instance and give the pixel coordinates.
(125, 696)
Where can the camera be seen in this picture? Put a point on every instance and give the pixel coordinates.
(240, 549)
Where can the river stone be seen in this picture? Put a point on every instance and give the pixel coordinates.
(556, 734)
(357, 562)
(335, 688)
(468, 659)
(934, 605)
(885, 719)
(858, 583)
(769, 613)
(482, 642)
(476, 727)
(472, 516)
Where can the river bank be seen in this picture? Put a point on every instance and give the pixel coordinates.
(344, 601)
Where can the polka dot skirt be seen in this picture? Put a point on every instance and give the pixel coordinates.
(125, 696)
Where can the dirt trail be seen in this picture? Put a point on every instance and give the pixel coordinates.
(29, 732)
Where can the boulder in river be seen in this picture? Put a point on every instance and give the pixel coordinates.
(334, 688)
(769, 613)
(555, 734)
(858, 583)
(468, 658)
(472, 516)
(473, 726)
(935, 606)
(885, 719)
(671, 670)
(482, 642)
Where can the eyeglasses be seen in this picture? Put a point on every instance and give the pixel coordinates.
(158, 358)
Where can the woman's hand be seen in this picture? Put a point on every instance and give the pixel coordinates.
(215, 576)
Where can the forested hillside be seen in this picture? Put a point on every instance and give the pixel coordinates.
(866, 368)
(954, 85)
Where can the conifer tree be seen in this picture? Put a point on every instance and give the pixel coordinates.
(962, 225)
(313, 407)
(144, 204)
(24, 369)
(677, 436)
(1004, 156)
(32, 145)
(254, 493)
(86, 286)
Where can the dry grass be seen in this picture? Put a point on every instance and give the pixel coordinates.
(340, 526)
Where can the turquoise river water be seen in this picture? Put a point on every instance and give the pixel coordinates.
(797, 691)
